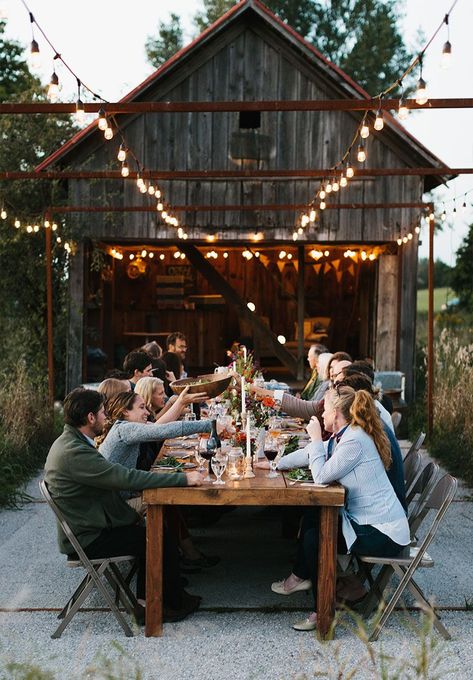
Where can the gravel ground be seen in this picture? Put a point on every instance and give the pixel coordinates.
(243, 630)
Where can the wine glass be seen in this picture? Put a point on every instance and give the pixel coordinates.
(219, 463)
(199, 459)
(272, 452)
(206, 454)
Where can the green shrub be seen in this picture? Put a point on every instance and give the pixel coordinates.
(27, 428)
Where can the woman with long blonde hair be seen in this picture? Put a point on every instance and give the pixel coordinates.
(357, 455)
(153, 392)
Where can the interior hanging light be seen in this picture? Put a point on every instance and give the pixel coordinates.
(108, 133)
(379, 121)
(322, 205)
(3, 214)
(335, 185)
(328, 187)
(322, 192)
(17, 223)
(125, 171)
(312, 216)
(361, 155)
(343, 181)
(79, 112)
(365, 130)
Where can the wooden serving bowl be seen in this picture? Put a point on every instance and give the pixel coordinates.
(212, 384)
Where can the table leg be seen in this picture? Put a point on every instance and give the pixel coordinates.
(327, 571)
(154, 571)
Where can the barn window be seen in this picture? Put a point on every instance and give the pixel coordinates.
(249, 120)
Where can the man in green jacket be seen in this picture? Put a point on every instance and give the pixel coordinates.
(86, 488)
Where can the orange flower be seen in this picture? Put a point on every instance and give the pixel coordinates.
(269, 402)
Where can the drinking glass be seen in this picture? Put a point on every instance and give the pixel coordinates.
(190, 416)
(272, 454)
(199, 459)
(207, 455)
(219, 463)
(235, 463)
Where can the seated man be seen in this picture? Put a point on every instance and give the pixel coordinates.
(86, 488)
(137, 364)
(176, 343)
(314, 380)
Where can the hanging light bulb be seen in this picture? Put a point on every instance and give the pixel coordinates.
(125, 169)
(328, 187)
(36, 228)
(3, 214)
(417, 229)
(350, 172)
(300, 231)
(17, 223)
(326, 253)
(322, 193)
(421, 93)
(121, 155)
(404, 239)
(102, 120)
(162, 257)
(295, 236)
(108, 133)
(365, 130)
(312, 216)
(402, 111)
(53, 88)
(305, 219)
(143, 188)
(80, 112)
(322, 205)
(343, 180)
(164, 214)
(335, 185)
(410, 236)
(361, 155)
(159, 206)
(443, 216)
(34, 57)
(151, 190)
(54, 226)
(399, 241)
(289, 256)
(151, 255)
(446, 55)
(464, 206)
(379, 121)
(29, 229)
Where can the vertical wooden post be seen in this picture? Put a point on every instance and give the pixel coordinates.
(154, 571)
(430, 337)
(300, 310)
(327, 569)
(49, 305)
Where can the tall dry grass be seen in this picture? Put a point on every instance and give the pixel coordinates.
(26, 430)
(452, 440)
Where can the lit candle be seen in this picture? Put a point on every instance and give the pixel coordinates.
(248, 438)
(243, 397)
(244, 353)
(234, 366)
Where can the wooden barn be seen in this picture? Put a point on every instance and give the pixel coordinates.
(238, 181)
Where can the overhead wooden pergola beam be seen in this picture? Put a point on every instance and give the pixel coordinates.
(222, 208)
(215, 175)
(229, 106)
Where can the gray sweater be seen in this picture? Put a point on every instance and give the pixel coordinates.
(122, 444)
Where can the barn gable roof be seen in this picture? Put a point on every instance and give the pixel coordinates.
(341, 81)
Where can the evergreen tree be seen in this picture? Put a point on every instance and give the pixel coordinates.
(462, 274)
(14, 73)
(168, 42)
(213, 10)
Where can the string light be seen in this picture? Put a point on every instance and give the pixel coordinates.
(162, 256)
(349, 172)
(421, 93)
(80, 112)
(402, 111)
(289, 256)
(322, 205)
(282, 339)
(102, 120)
(108, 133)
(447, 47)
(17, 223)
(365, 130)
(3, 214)
(343, 180)
(379, 121)
(335, 186)
(53, 88)
(125, 171)
(121, 155)
(313, 215)
(361, 155)
(225, 255)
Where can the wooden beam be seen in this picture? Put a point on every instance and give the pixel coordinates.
(300, 310)
(236, 106)
(49, 308)
(221, 286)
(223, 208)
(430, 335)
(221, 175)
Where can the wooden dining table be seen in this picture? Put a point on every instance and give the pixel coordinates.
(257, 491)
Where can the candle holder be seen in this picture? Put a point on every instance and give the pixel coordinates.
(248, 469)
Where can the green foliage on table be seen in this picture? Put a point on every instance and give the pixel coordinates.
(292, 445)
(300, 475)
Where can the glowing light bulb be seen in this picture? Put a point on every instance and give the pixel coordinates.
(300, 231)
(144, 253)
(47, 224)
(402, 111)
(421, 93)
(295, 236)
(446, 55)
(102, 120)
(36, 228)
(162, 256)
(151, 255)
(372, 256)
(363, 255)
(282, 339)
(108, 133)
(225, 255)
(409, 236)
(328, 187)
(80, 112)
(350, 171)
(365, 131)
(29, 229)
(361, 155)
(157, 193)
(121, 155)
(251, 306)
(53, 88)
(54, 226)
(404, 239)
(399, 241)
(379, 121)
(131, 256)
(322, 205)
(3, 214)
(282, 254)
(143, 188)
(443, 216)
(312, 216)
(58, 239)
(17, 224)
(417, 230)
(289, 256)
(322, 194)
(183, 256)
(125, 171)
(164, 214)
(343, 181)
(326, 253)
(34, 57)
(159, 206)
(335, 186)
(151, 190)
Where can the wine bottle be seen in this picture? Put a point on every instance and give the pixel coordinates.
(213, 442)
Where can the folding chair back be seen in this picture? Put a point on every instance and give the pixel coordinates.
(416, 446)
(423, 484)
(439, 499)
(95, 569)
(412, 466)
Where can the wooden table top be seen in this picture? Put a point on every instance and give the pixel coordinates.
(256, 491)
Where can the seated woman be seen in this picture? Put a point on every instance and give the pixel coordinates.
(110, 387)
(153, 392)
(373, 521)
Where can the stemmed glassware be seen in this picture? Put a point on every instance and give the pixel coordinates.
(271, 452)
(199, 459)
(219, 464)
(206, 454)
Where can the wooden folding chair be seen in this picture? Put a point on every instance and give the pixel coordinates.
(96, 571)
(411, 558)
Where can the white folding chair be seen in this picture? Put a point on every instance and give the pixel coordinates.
(412, 558)
(96, 571)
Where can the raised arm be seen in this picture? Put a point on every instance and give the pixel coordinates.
(132, 433)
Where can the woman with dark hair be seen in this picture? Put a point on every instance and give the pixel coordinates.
(373, 521)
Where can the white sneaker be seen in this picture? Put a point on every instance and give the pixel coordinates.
(278, 587)
(308, 624)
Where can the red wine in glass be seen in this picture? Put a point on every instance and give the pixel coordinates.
(271, 454)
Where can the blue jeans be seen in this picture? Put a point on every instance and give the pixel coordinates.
(369, 541)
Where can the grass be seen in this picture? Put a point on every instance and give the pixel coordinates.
(441, 295)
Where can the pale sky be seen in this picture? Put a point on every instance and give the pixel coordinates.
(103, 41)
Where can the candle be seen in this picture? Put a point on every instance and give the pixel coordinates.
(244, 353)
(243, 397)
(248, 438)
(234, 366)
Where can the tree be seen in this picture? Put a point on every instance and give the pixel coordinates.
(462, 274)
(442, 274)
(168, 42)
(14, 73)
(25, 141)
(213, 10)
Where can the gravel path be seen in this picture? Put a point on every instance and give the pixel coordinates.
(243, 630)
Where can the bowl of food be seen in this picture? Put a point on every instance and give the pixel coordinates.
(212, 384)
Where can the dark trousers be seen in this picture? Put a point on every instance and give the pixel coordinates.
(131, 540)
(369, 541)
